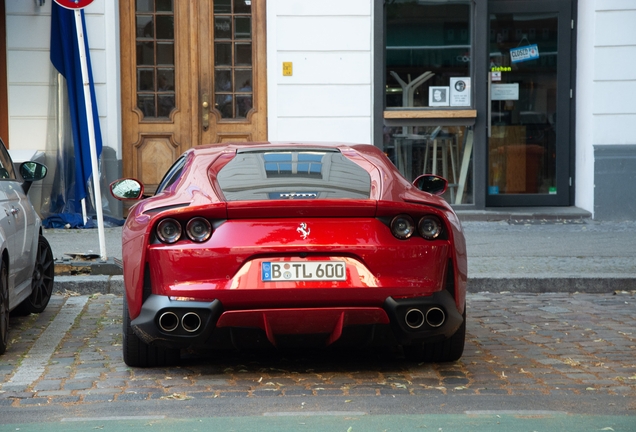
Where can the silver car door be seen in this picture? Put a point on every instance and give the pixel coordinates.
(25, 238)
(12, 224)
(7, 233)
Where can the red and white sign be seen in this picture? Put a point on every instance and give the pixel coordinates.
(74, 4)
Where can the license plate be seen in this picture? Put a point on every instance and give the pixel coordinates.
(303, 271)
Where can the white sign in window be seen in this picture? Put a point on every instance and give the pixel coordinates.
(438, 96)
(504, 91)
(460, 91)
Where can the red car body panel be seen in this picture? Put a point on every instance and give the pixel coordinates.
(303, 321)
(227, 267)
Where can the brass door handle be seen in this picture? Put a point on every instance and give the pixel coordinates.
(205, 113)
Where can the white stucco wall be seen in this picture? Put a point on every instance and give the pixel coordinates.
(329, 95)
(606, 81)
(28, 68)
(614, 72)
(584, 161)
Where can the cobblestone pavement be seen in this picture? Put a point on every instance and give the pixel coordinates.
(569, 345)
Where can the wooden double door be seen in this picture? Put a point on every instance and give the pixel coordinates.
(193, 72)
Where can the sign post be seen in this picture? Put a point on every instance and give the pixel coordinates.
(77, 6)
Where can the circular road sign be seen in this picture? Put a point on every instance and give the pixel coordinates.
(74, 4)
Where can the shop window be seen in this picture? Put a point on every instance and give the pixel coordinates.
(428, 53)
(428, 92)
(443, 150)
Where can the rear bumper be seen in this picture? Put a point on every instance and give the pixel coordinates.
(180, 324)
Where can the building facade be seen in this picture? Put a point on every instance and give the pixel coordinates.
(515, 102)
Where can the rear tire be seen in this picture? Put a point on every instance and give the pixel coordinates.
(139, 354)
(448, 350)
(4, 308)
(42, 281)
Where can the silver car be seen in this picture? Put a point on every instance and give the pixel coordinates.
(26, 265)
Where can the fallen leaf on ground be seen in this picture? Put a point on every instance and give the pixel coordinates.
(177, 396)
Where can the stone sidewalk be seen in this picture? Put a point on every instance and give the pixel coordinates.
(532, 346)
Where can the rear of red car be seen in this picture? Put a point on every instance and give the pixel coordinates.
(298, 244)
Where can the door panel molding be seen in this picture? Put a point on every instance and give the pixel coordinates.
(150, 159)
(228, 137)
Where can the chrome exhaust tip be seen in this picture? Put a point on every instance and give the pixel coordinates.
(191, 322)
(435, 317)
(414, 318)
(168, 321)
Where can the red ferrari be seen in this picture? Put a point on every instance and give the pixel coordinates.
(287, 244)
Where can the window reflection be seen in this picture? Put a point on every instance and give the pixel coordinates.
(243, 106)
(223, 80)
(243, 28)
(222, 6)
(223, 103)
(294, 174)
(165, 53)
(443, 150)
(222, 54)
(233, 58)
(427, 44)
(222, 27)
(243, 54)
(155, 47)
(145, 79)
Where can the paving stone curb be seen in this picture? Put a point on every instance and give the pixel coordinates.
(557, 284)
(86, 285)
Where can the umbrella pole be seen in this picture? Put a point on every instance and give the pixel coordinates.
(91, 133)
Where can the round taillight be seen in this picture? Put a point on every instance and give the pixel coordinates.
(430, 227)
(402, 226)
(169, 231)
(198, 229)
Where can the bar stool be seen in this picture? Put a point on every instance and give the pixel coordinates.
(447, 147)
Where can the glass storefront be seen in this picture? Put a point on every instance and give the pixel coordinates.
(479, 92)
(428, 67)
(523, 104)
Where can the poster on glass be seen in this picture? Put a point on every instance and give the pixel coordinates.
(438, 96)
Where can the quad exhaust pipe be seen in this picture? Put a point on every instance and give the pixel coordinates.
(191, 322)
(169, 322)
(415, 318)
(435, 317)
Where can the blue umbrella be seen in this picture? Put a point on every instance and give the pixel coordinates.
(70, 56)
(65, 56)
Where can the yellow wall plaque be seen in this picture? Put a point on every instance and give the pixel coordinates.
(287, 68)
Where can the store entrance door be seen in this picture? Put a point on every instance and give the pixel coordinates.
(529, 103)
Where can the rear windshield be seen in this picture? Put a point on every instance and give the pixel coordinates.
(293, 174)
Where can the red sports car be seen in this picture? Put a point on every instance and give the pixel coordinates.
(287, 244)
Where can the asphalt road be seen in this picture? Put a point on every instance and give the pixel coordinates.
(532, 362)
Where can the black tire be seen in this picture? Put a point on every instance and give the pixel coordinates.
(42, 280)
(4, 309)
(139, 354)
(448, 350)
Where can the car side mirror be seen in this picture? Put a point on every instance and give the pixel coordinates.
(127, 189)
(32, 171)
(432, 184)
